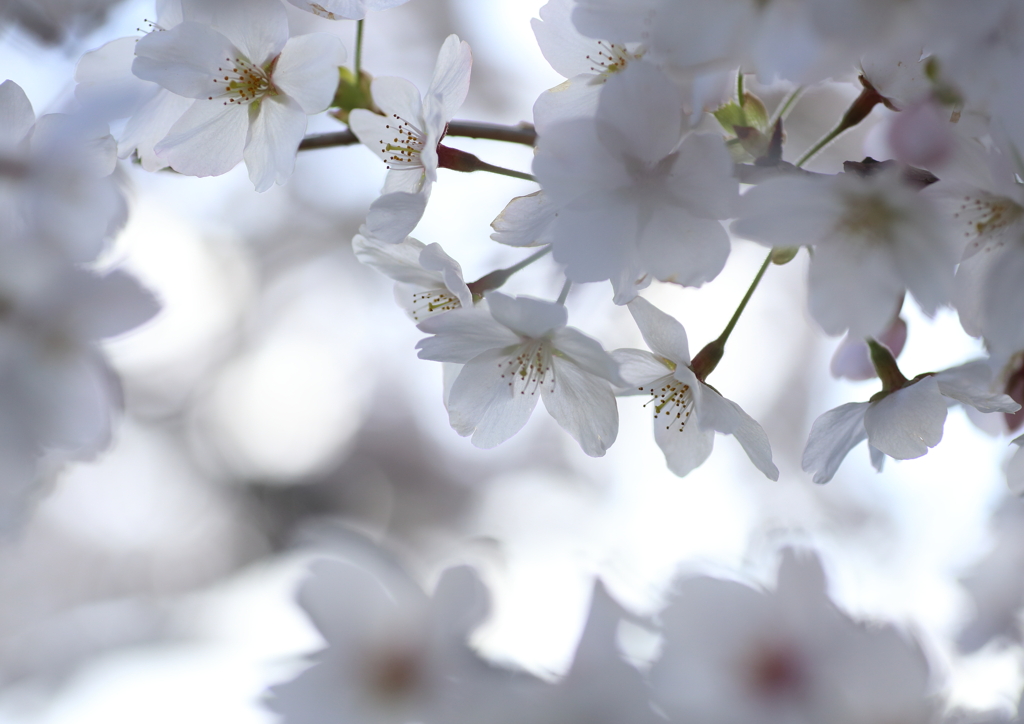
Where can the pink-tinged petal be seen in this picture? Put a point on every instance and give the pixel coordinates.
(701, 177)
(678, 247)
(276, 127)
(526, 316)
(638, 368)
(525, 221)
(851, 359)
(663, 334)
(462, 334)
(686, 445)
(583, 405)
(833, 435)
(451, 75)
(307, 70)
(400, 101)
(207, 140)
(968, 384)
(484, 404)
(586, 353)
(150, 125)
(392, 217)
(372, 131)
(727, 417)
(435, 259)
(16, 114)
(640, 114)
(187, 59)
(907, 422)
(259, 28)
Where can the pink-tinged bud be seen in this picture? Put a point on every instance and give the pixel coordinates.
(852, 359)
(921, 136)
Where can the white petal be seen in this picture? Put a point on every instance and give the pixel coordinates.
(451, 75)
(640, 114)
(684, 450)
(583, 405)
(575, 98)
(789, 211)
(150, 125)
(832, 436)
(392, 217)
(16, 114)
(187, 59)
(349, 9)
(586, 353)
(907, 422)
(525, 221)
(371, 129)
(462, 334)
(276, 127)
(662, 333)
(526, 316)
(434, 258)
(399, 99)
(307, 70)
(638, 369)
(701, 177)
(968, 384)
(106, 84)
(850, 287)
(727, 417)
(482, 403)
(594, 237)
(678, 247)
(397, 261)
(259, 28)
(1015, 471)
(207, 140)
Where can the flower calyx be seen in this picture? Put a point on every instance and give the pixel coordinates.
(887, 369)
(352, 93)
(705, 361)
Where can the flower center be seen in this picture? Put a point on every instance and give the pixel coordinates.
(987, 215)
(869, 217)
(609, 58)
(530, 369)
(403, 151)
(672, 400)
(433, 300)
(243, 81)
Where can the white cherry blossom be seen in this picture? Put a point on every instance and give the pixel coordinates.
(874, 238)
(516, 350)
(903, 423)
(428, 281)
(687, 411)
(253, 86)
(629, 197)
(406, 137)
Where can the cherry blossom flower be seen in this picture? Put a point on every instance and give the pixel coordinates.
(428, 280)
(393, 654)
(348, 9)
(516, 350)
(628, 197)
(687, 411)
(874, 238)
(253, 86)
(902, 423)
(406, 137)
(57, 180)
(733, 653)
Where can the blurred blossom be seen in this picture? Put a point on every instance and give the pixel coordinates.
(734, 654)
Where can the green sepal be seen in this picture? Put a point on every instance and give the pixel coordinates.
(352, 94)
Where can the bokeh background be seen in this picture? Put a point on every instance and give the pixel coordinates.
(275, 409)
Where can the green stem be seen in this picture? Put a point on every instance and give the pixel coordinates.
(743, 302)
(501, 171)
(359, 49)
(496, 278)
(565, 292)
(705, 361)
(857, 112)
(739, 87)
(787, 104)
(522, 133)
